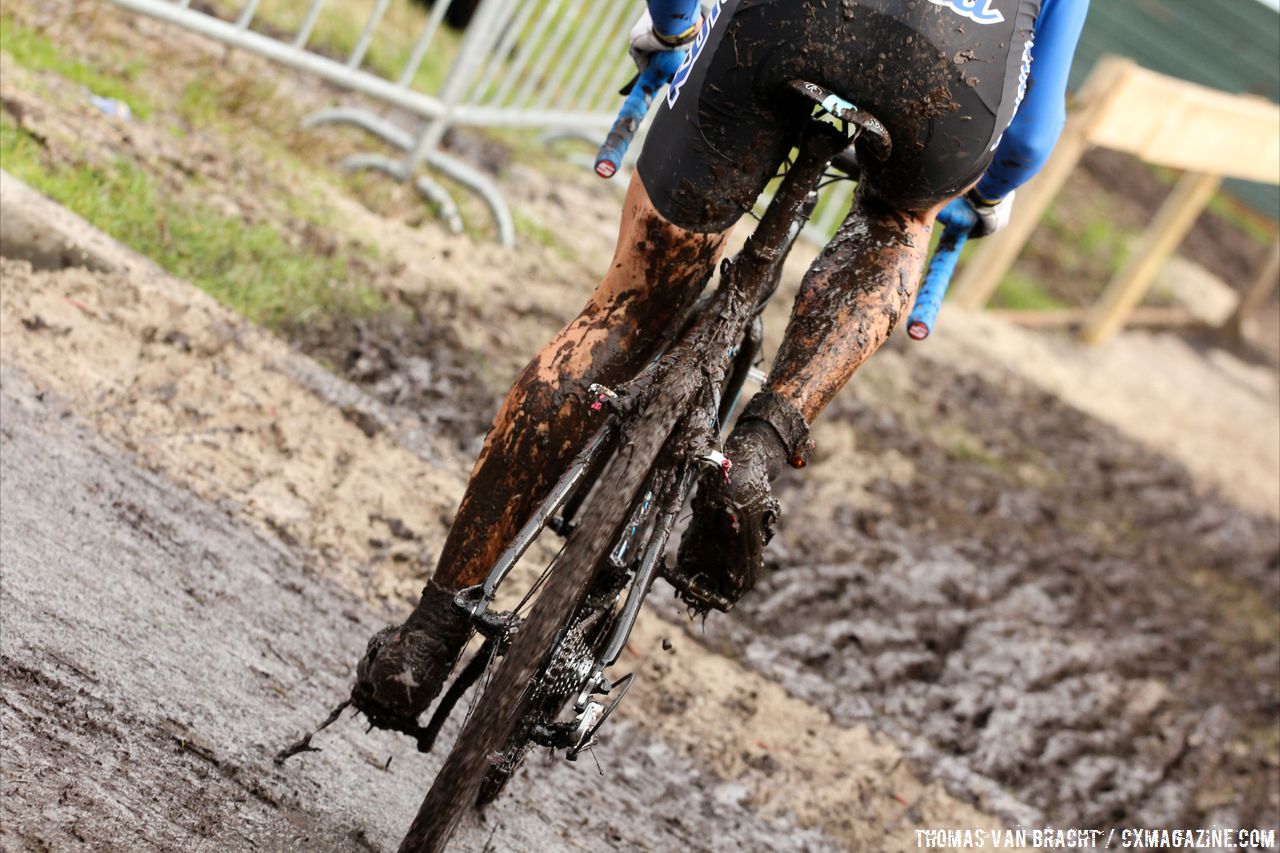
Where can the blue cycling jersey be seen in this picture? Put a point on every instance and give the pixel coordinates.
(1031, 135)
(673, 17)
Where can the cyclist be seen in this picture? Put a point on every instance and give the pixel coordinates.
(973, 95)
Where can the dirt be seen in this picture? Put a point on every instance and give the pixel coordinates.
(987, 605)
(274, 474)
(1109, 200)
(167, 739)
(1210, 410)
(1060, 625)
(1213, 242)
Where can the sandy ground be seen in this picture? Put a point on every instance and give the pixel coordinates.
(1046, 575)
(1206, 408)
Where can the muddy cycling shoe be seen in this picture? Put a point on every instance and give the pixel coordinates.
(404, 667)
(722, 553)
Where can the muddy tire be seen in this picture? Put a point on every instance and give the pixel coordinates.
(505, 702)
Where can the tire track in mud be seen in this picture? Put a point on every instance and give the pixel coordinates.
(153, 646)
(1066, 629)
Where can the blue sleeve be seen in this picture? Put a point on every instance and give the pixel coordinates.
(674, 17)
(1029, 139)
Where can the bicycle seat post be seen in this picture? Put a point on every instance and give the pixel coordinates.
(818, 144)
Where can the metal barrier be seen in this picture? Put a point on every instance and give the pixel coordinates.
(553, 65)
(549, 64)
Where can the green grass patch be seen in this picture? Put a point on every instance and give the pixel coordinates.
(338, 29)
(1020, 292)
(529, 228)
(199, 103)
(251, 268)
(33, 50)
(1088, 239)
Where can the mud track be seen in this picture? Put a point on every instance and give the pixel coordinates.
(986, 606)
(156, 724)
(1065, 629)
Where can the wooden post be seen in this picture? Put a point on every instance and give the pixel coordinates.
(1264, 284)
(993, 257)
(1131, 282)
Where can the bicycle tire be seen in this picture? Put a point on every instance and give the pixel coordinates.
(457, 784)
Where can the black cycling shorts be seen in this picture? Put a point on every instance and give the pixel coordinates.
(944, 76)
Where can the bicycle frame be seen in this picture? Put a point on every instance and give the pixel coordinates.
(728, 326)
(665, 424)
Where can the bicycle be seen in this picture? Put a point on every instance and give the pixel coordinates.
(618, 502)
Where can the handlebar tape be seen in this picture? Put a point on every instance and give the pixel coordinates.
(662, 66)
(960, 220)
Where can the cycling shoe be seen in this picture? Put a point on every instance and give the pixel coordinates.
(734, 514)
(404, 667)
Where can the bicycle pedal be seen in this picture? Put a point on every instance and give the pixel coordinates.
(696, 595)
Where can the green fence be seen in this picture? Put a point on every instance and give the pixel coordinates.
(1233, 45)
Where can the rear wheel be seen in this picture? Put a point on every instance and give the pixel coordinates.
(488, 734)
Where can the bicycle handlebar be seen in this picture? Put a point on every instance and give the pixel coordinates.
(661, 68)
(960, 220)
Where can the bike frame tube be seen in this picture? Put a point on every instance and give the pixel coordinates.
(745, 286)
(662, 421)
(648, 570)
(563, 488)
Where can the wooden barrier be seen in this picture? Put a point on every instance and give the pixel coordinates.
(1164, 121)
(1265, 283)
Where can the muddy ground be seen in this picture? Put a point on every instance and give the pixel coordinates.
(986, 606)
(1052, 617)
(982, 598)
(322, 506)
(154, 727)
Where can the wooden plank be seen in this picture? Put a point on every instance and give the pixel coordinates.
(1172, 122)
(1131, 282)
(993, 257)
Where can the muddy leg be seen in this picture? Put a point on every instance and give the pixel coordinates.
(849, 302)
(657, 272)
(852, 297)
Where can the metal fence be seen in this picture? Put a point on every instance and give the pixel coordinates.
(549, 65)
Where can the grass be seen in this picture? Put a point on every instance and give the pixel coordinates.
(254, 268)
(535, 25)
(1021, 292)
(531, 229)
(338, 29)
(248, 267)
(32, 49)
(199, 103)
